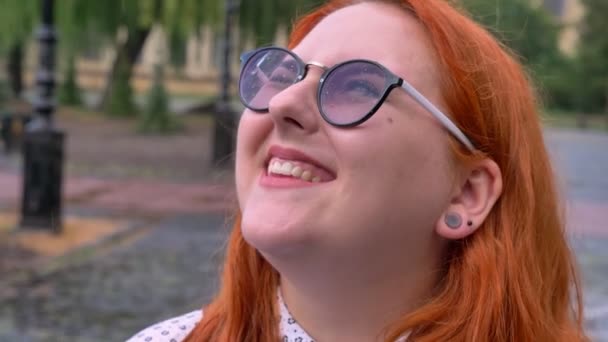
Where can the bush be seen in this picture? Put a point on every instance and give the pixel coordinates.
(4, 93)
(558, 83)
(69, 93)
(156, 117)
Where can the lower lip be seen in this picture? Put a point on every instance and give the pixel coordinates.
(274, 181)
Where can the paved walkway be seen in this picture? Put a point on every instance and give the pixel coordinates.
(581, 160)
(130, 197)
(170, 266)
(169, 270)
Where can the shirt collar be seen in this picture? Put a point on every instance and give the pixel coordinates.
(291, 331)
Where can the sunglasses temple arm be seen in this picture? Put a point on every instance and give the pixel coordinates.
(447, 123)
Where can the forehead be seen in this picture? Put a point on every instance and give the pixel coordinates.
(375, 31)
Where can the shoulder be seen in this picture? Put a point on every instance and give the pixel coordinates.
(172, 330)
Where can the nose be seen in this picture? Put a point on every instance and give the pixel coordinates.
(295, 108)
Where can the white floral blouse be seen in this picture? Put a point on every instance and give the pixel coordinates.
(176, 329)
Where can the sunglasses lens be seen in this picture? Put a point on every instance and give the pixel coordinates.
(351, 91)
(265, 74)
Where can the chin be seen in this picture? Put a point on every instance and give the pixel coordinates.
(276, 235)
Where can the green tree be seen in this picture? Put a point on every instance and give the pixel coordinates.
(17, 20)
(69, 92)
(126, 24)
(184, 18)
(156, 117)
(530, 31)
(72, 28)
(593, 57)
(532, 34)
(135, 20)
(121, 102)
(4, 96)
(259, 20)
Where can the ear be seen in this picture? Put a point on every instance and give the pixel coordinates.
(473, 199)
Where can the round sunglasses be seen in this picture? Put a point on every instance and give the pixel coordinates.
(349, 93)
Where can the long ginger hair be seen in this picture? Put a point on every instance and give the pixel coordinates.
(512, 280)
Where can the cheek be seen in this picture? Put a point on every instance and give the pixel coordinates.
(400, 145)
(403, 172)
(253, 132)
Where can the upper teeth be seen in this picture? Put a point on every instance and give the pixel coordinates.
(289, 169)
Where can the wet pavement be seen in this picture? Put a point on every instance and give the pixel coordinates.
(581, 160)
(171, 266)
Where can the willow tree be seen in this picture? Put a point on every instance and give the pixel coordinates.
(593, 57)
(185, 18)
(259, 20)
(127, 24)
(532, 33)
(3, 94)
(17, 21)
(528, 30)
(72, 26)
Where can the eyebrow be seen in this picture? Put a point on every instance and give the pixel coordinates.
(323, 65)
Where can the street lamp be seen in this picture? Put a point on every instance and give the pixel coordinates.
(225, 117)
(43, 142)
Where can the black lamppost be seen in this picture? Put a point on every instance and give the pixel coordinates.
(225, 117)
(43, 142)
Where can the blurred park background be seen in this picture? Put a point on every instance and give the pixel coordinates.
(136, 205)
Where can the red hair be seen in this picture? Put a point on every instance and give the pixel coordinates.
(514, 279)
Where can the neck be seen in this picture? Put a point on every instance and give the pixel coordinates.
(355, 300)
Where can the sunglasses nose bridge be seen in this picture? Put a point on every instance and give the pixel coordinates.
(314, 64)
(307, 68)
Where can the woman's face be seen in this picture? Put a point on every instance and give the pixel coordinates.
(378, 188)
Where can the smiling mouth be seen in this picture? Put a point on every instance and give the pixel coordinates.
(294, 169)
(285, 172)
(287, 167)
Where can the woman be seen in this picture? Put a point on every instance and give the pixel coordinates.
(393, 185)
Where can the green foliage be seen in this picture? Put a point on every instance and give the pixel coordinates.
(183, 18)
(72, 25)
(177, 35)
(69, 93)
(593, 57)
(179, 18)
(532, 34)
(17, 20)
(530, 31)
(4, 93)
(559, 83)
(121, 94)
(260, 19)
(156, 117)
